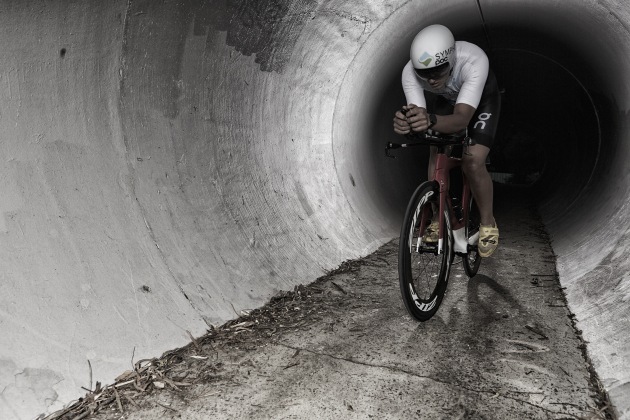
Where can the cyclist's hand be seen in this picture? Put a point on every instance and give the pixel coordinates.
(401, 126)
(418, 118)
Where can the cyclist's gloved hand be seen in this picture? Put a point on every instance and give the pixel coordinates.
(401, 126)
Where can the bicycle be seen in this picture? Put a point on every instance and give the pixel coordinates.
(424, 263)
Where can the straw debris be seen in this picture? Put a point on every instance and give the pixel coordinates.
(197, 362)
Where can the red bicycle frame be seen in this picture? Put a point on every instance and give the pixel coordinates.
(443, 165)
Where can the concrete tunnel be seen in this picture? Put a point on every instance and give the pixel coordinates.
(170, 164)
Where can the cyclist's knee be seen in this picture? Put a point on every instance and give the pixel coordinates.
(473, 165)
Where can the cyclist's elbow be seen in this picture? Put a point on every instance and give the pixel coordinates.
(455, 127)
(460, 122)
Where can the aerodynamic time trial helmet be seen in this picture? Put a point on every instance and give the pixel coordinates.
(432, 50)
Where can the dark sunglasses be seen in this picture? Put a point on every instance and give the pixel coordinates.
(433, 73)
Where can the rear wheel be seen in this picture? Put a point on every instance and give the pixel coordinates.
(423, 269)
(472, 260)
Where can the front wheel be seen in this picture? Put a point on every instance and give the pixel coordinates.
(472, 259)
(424, 263)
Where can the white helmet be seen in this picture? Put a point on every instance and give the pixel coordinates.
(433, 46)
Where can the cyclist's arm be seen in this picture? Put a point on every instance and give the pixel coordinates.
(418, 119)
(457, 121)
(415, 98)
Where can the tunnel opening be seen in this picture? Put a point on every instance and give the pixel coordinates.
(547, 145)
(546, 141)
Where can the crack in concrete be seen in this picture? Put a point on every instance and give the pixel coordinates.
(416, 375)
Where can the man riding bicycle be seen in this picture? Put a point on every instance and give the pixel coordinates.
(449, 87)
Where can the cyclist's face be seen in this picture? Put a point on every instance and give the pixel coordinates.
(435, 78)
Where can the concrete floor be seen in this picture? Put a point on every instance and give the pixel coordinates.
(502, 346)
(170, 164)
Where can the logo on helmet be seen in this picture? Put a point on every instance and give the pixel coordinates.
(442, 57)
(425, 59)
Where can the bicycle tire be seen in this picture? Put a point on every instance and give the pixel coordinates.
(472, 259)
(422, 272)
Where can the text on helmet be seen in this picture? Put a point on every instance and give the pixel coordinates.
(442, 56)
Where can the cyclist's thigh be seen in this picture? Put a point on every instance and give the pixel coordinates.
(483, 125)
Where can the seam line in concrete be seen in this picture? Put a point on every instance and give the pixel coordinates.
(399, 370)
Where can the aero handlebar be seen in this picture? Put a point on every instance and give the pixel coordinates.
(431, 138)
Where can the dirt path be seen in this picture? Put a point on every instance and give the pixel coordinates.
(502, 346)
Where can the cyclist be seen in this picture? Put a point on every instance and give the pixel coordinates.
(449, 87)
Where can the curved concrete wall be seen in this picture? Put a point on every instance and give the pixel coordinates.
(169, 165)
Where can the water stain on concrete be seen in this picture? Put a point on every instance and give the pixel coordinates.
(267, 28)
(32, 386)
